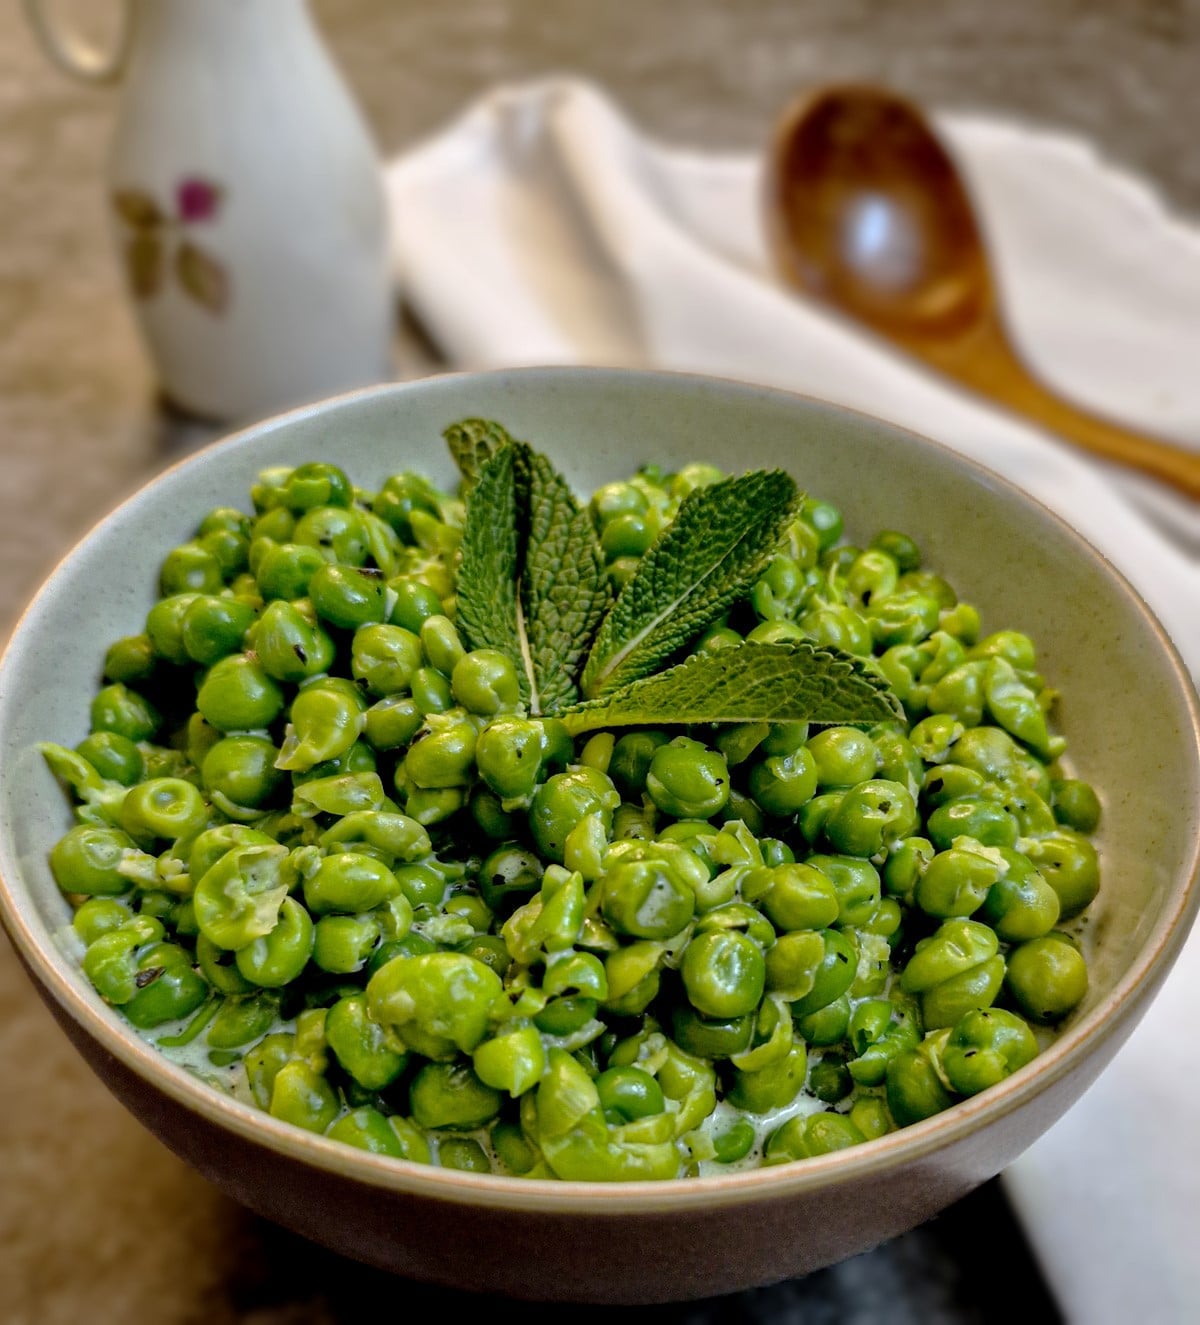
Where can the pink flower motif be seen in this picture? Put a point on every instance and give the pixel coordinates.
(197, 200)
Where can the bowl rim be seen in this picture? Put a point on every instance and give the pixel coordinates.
(1116, 1015)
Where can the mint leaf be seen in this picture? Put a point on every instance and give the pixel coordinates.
(488, 613)
(472, 443)
(532, 580)
(564, 584)
(700, 565)
(789, 682)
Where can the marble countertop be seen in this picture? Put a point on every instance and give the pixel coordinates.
(97, 1220)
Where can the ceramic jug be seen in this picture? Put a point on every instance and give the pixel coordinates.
(246, 200)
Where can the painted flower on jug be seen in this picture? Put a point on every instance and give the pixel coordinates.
(158, 239)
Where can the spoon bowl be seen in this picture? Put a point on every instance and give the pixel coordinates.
(867, 211)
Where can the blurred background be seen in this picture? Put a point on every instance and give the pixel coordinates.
(97, 1220)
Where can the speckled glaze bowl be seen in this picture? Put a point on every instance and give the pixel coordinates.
(636, 1243)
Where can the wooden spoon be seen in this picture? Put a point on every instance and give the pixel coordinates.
(867, 211)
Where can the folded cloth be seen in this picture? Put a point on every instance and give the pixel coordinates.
(541, 227)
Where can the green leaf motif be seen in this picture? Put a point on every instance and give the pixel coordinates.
(487, 607)
(564, 586)
(472, 443)
(202, 277)
(137, 209)
(700, 565)
(790, 682)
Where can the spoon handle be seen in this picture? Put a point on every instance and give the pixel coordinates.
(1001, 374)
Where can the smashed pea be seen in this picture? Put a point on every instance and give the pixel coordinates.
(324, 844)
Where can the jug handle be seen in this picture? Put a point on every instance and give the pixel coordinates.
(75, 54)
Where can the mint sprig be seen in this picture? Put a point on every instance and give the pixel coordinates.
(789, 682)
(532, 583)
(701, 564)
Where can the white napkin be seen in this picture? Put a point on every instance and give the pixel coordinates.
(542, 227)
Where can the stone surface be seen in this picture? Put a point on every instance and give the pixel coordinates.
(97, 1220)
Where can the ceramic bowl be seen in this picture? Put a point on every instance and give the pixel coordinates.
(636, 1243)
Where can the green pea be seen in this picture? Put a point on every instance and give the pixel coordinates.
(782, 784)
(242, 1020)
(117, 708)
(735, 1143)
(563, 800)
(385, 658)
(628, 1093)
(399, 497)
(130, 659)
(972, 816)
(339, 533)
(1076, 804)
(391, 723)
(975, 988)
(445, 755)
(414, 602)
(316, 483)
(264, 1062)
(113, 755)
(441, 643)
(366, 1129)
(349, 882)
(219, 968)
(826, 1132)
(238, 695)
(856, 885)
(825, 518)
(435, 1004)
(240, 773)
(905, 865)
(1020, 905)
(813, 815)
(99, 915)
(289, 646)
(360, 1046)
(302, 1097)
(646, 899)
(189, 568)
(724, 973)
(902, 617)
(513, 1060)
(463, 1153)
(238, 898)
(871, 817)
(954, 947)
(213, 627)
(771, 1087)
(800, 896)
(484, 681)
(451, 1095)
(956, 882)
(1069, 864)
(87, 859)
(509, 757)
(277, 958)
(834, 975)
(829, 1081)
(431, 691)
(984, 1048)
(163, 809)
(844, 756)
(283, 571)
(914, 1088)
(687, 780)
(346, 596)
(826, 1026)
(167, 987)
(342, 944)
(1047, 978)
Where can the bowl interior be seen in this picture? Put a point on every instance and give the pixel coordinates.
(1127, 708)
